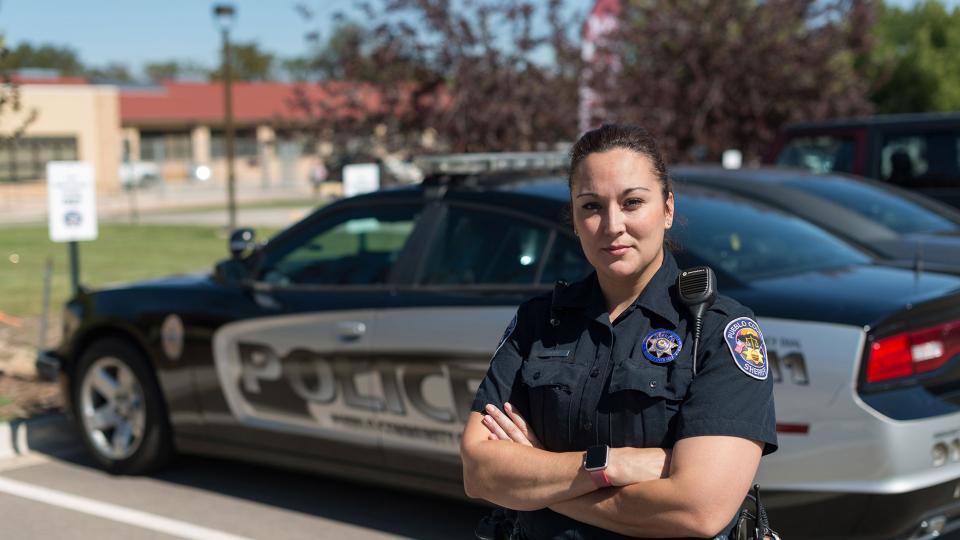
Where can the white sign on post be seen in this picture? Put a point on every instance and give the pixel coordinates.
(71, 201)
(360, 178)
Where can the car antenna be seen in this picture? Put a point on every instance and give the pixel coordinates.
(918, 259)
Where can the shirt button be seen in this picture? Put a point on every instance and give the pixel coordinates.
(536, 375)
(587, 425)
(653, 384)
(595, 372)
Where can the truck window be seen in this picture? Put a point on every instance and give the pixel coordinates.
(823, 153)
(921, 159)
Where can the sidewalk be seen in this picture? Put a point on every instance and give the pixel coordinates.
(114, 206)
(45, 432)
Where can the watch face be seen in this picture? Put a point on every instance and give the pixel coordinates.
(596, 458)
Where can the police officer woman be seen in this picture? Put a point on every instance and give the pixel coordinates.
(591, 421)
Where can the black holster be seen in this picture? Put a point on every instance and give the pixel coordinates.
(501, 524)
(751, 525)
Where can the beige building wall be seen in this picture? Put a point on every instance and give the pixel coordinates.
(89, 113)
(132, 138)
(200, 140)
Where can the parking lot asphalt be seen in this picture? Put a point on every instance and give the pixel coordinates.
(56, 492)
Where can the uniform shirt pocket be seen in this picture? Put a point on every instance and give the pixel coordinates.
(647, 397)
(549, 382)
(666, 381)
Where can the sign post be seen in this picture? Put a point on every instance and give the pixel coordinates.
(72, 208)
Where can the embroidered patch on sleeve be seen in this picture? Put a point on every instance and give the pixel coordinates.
(506, 333)
(745, 340)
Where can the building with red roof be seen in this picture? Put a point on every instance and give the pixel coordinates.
(175, 128)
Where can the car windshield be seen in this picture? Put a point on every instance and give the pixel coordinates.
(751, 241)
(890, 210)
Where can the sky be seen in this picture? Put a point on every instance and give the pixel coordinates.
(134, 32)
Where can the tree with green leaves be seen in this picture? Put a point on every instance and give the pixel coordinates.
(10, 103)
(914, 62)
(110, 73)
(250, 63)
(171, 70)
(63, 59)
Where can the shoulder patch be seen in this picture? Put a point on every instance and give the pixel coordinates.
(506, 333)
(746, 344)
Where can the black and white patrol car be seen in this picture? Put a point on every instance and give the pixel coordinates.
(352, 344)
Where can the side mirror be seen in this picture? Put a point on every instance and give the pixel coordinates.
(241, 241)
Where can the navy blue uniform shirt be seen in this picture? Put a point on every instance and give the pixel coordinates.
(580, 380)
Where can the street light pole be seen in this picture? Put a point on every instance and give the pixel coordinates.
(225, 14)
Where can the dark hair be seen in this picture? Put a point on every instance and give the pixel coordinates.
(628, 137)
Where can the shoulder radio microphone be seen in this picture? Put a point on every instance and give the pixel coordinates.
(698, 291)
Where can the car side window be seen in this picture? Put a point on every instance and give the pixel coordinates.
(479, 247)
(921, 159)
(352, 247)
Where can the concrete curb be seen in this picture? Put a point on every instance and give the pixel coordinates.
(20, 437)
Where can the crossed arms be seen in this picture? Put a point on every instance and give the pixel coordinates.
(693, 490)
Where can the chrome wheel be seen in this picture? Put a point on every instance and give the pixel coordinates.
(112, 408)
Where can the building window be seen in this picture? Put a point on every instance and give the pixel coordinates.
(244, 143)
(166, 146)
(25, 159)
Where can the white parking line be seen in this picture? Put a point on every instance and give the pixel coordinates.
(112, 512)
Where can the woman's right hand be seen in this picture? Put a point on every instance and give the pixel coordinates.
(508, 425)
(630, 465)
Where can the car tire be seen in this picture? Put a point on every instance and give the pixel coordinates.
(119, 409)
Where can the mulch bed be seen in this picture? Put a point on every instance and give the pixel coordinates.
(21, 397)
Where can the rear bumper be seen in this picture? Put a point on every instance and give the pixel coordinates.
(917, 515)
(48, 366)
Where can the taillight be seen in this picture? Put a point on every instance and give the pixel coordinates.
(917, 351)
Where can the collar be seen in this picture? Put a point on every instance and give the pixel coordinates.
(657, 296)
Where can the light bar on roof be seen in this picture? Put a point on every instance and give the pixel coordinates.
(492, 162)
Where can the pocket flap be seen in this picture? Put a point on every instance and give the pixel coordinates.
(667, 381)
(553, 353)
(536, 373)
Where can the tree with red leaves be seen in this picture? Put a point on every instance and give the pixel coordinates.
(478, 73)
(707, 76)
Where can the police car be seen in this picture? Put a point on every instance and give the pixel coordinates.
(352, 344)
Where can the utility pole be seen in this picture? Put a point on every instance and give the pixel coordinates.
(225, 14)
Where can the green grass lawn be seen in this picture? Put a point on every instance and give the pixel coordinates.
(121, 253)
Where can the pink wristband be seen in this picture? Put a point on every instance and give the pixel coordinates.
(600, 478)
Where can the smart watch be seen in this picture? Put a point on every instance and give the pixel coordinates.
(595, 463)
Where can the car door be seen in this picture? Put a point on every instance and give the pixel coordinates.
(300, 378)
(439, 334)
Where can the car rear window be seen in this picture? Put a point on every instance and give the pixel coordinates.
(824, 153)
(753, 241)
(887, 208)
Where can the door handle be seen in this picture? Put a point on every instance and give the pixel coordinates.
(351, 330)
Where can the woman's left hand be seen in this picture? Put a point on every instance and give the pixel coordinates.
(509, 426)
